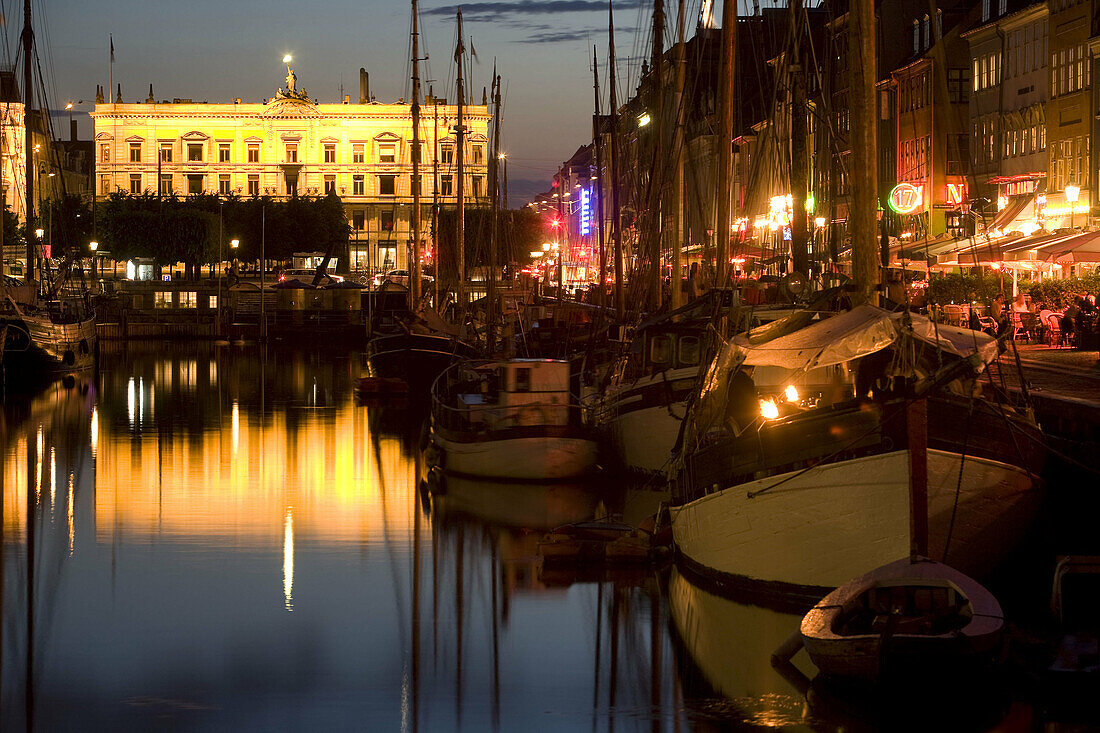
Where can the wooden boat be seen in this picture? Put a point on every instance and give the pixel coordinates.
(47, 340)
(511, 419)
(796, 503)
(907, 618)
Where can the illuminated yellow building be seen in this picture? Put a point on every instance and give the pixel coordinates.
(292, 145)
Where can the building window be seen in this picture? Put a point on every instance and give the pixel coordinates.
(330, 184)
(135, 152)
(958, 85)
(387, 255)
(958, 152)
(357, 186)
(1002, 7)
(194, 152)
(189, 299)
(223, 152)
(253, 185)
(166, 152)
(135, 183)
(479, 186)
(212, 302)
(105, 184)
(447, 155)
(225, 186)
(446, 185)
(985, 10)
(387, 152)
(162, 299)
(330, 153)
(194, 184)
(387, 185)
(104, 152)
(292, 152)
(164, 187)
(927, 31)
(385, 221)
(253, 152)
(479, 154)
(358, 218)
(357, 154)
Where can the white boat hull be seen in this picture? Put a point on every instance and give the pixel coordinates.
(642, 438)
(526, 458)
(818, 529)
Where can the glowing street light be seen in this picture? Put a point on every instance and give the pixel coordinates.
(234, 243)
(39, 233)
(1072, 193)
(644, 119)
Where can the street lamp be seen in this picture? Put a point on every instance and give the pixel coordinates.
(1072, 192)
(93, 246)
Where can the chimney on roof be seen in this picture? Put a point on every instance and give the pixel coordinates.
(364, 85)
(99, 94)
(150, 99)
(118, 97)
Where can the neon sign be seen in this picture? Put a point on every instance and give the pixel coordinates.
(586, 212)
(956, 192)
(906, 198)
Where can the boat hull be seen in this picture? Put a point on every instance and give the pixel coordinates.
(523, 458)
(870, 655)
(642, 419)
(416, 358)
(55, 348)
(817, 529)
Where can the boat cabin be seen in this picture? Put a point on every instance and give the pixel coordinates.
(518, 392)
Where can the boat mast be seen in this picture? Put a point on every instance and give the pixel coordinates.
(725, 140)
(676, 294)
(460, 137)
(435, 197)
(597, 143)
(491, 310)
(656, 173)
(864, 170)
(28, 95)
(799, 167)
(414, 290)
(616, 230)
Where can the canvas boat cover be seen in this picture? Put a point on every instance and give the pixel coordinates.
(850, 335)
(954, 340)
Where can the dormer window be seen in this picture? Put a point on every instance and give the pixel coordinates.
(927, 31)
(985, 10)
(916, 35)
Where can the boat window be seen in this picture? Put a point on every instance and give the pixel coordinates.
(523, 379)
(689, 351)
(660, 350)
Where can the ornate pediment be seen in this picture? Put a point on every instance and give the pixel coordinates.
(284, 106)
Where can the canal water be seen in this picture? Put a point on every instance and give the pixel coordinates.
(225, 540)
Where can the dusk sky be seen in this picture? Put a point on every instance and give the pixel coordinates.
(216, 50)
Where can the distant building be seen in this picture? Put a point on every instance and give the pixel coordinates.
(290, 145)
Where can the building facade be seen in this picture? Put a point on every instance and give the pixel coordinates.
(291, 145)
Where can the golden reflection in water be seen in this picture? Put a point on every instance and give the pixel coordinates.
(95, 429)
(131, 401)
(53, 479)
(288, 558)
(236, 426)
(72, 528)
(41, 448)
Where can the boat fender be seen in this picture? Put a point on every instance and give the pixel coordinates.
(83, 346)
(68, 358)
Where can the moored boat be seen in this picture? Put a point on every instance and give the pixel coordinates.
(815, 490)
(511, 419)
(908, 618)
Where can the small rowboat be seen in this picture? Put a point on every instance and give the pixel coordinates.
(907, 618)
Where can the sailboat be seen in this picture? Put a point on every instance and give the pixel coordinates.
(794, 471)
(45, 330)
(416, 344)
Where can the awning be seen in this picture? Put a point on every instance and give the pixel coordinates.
(858, 332)
(1018, 249)
(1012, 209)
(1080, 248)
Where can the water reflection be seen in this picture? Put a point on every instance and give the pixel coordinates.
(224, 539)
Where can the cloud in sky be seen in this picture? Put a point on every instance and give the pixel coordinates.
(486, 10)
